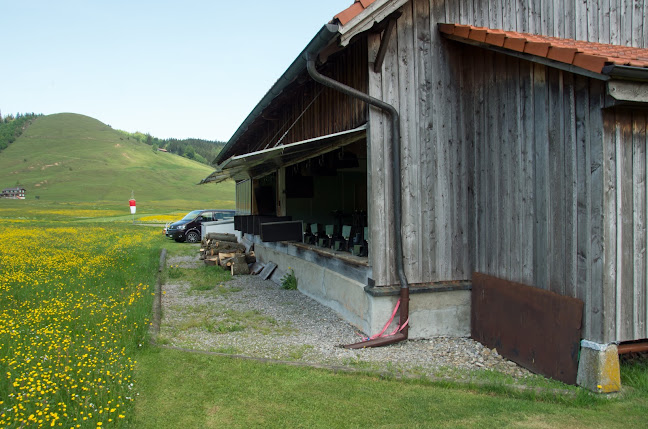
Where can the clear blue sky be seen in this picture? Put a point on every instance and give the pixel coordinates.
(173, 69)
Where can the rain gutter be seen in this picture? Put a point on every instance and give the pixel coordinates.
(626, 72)
(391, 111)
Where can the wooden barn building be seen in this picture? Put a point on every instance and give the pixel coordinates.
(515, 131)
(17, 193)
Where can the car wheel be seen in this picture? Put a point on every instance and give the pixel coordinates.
(192, 237)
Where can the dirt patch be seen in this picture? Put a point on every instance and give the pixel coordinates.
(56, 164)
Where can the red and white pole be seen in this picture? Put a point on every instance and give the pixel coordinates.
(133, 208)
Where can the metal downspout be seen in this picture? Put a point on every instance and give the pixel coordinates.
(396, 182)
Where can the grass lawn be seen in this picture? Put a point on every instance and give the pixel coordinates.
(214, 391)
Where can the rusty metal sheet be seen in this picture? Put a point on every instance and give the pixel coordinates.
(538, 329)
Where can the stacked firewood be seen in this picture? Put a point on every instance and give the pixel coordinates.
(226, 251)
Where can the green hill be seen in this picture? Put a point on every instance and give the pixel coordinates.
(74, 158)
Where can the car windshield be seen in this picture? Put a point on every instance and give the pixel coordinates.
(192, 215)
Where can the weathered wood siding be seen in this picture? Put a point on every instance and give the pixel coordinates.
(540, 212)
(417, 78)
(507, 169)
(625, 198)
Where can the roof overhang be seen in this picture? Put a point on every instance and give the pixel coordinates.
(532, 58)
(591, 59)
(263, 162)
(324, 37)
(363, 16)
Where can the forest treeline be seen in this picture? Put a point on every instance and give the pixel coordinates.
(11, 127)
(197, 149)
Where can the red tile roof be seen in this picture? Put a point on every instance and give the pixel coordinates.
(587, 55)
(352, 11)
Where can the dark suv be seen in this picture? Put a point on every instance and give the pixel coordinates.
(188, 228)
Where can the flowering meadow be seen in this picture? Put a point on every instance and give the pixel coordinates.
(75, 303)
(162, 218)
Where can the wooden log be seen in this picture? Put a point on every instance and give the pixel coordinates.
(211, 261)
(217, 236)
(225, 258)
(250, 258)
(238, 266)
(226, 255)
(228, 247)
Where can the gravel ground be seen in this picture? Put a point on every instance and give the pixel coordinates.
(255, 317)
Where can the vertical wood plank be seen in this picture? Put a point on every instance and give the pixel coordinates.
(406, 89)
(379, 187)
(481, 166)
(496, 14)
(513, 179)
(426, 29)
(465, 11)
(508, 15)
(523, 16)
(584, 203)
(457, 173)
(607, 15)
(390, 95)
(490, 168)
(568, 16)
(603, 258)
(437, 175)
(607, 242)
(625, 23)
(422, 39)
(593, 13)
(541, 230)
(452, 12)
(480, 13)
(548, 24)
(581, 22)
(639, 285)
(639, 23)
(517, 21)
(535, 17)
(501, 163)
(468, 170)
(556, 184)
(625, 275)
(440, 138)
(527, 189)
(571, 186)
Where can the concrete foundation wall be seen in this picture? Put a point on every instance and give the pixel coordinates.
(346, 296)
(431, 314)
(440, 314)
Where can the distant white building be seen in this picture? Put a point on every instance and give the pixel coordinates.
(13, 193)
